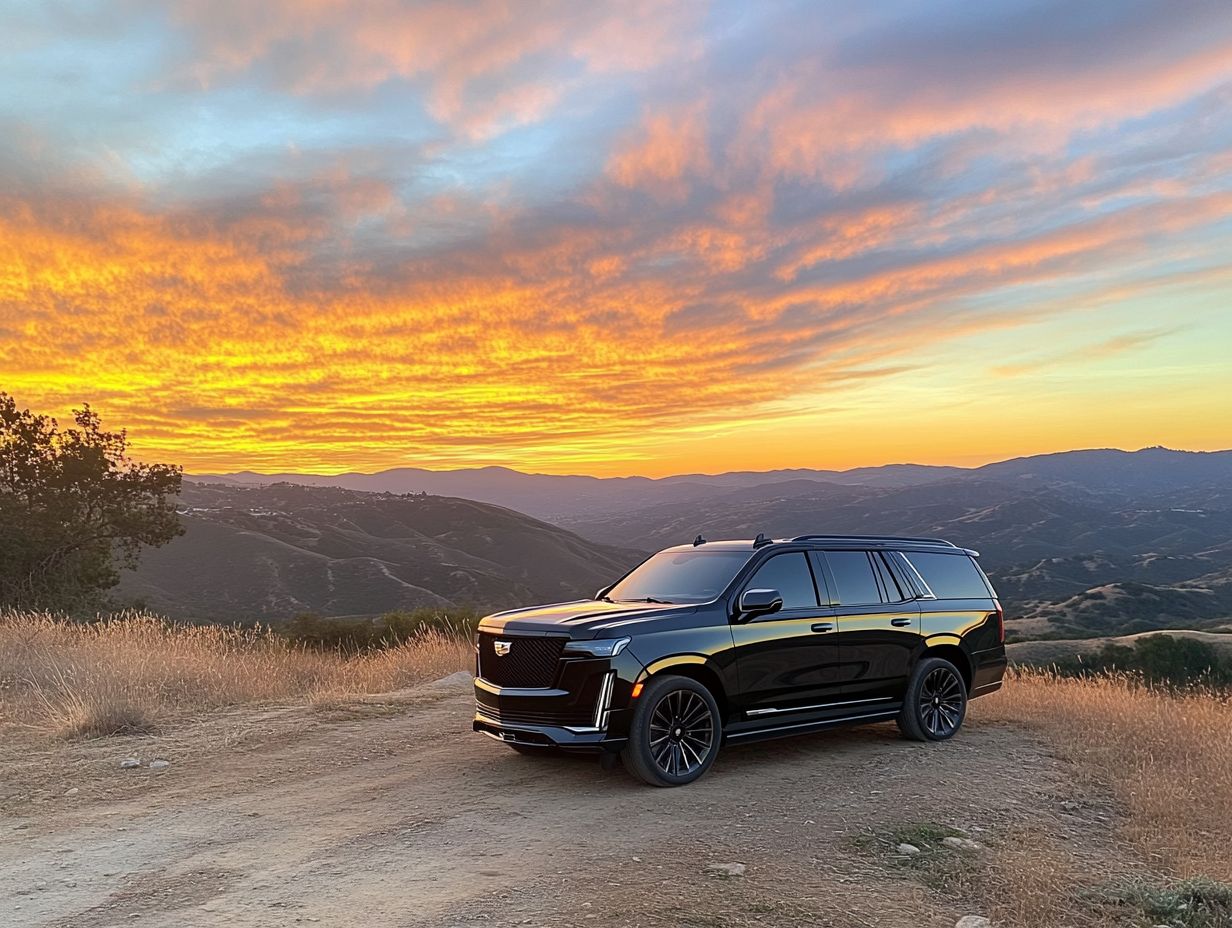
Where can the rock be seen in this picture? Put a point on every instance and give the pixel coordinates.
(72, 792)
(129, 763)
(961, 844)
(726, 871)
(909, 849)
(973, 921)
(164, 764)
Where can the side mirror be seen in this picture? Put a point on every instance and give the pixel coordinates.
(760, 602)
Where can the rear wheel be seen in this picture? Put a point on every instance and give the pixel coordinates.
(936, 702)
(674, 734)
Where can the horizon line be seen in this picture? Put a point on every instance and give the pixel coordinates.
(772, 470)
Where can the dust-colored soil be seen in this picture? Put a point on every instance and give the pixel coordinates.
(392, 813)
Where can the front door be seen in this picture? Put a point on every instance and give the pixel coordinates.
(878, 626)
(787, 661)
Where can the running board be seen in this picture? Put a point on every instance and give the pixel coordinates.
(802, 728)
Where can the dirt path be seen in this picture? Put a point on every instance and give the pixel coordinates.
(393, 813)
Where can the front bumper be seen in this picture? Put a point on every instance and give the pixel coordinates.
(549, 736)
(586, 709)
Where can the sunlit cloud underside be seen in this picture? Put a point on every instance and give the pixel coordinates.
(647, 237)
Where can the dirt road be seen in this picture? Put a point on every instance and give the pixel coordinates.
(392, 813)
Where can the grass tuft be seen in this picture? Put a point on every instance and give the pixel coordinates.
(130, 673)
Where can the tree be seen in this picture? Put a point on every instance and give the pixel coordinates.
(74, 508)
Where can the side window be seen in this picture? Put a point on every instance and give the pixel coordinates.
(853, 575)
(951, 576)
(893, 593)
(791, 576)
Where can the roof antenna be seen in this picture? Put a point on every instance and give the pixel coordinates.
(699, 540)
(761, 540)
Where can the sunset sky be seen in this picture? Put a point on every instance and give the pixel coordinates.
(647, 237)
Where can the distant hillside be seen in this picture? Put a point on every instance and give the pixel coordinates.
(554, 498)
(578, 498)
(271, 552)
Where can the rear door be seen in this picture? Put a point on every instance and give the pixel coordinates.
(878, 624)
(787, 660)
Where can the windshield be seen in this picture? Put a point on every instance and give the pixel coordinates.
(680, 577)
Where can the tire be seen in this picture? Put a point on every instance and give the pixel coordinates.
(936, 702)
(675, 732)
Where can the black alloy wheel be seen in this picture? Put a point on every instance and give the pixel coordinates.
(675, 732)
(936, 702)
(681, 733)
(941, 702)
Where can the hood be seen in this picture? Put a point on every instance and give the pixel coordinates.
(588, 618)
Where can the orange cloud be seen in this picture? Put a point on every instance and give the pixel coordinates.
(668, 150)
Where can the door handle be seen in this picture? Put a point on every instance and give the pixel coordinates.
(901, 623)
(824, 627)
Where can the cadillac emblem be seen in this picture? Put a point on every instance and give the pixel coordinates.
(502, 648)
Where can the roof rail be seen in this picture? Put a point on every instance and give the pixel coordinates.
(879, 539)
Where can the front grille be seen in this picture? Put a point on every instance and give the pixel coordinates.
(529, 717)
(530, 662)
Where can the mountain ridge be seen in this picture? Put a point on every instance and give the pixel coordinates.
(561, 497)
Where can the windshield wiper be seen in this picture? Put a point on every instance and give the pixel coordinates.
(648, 599)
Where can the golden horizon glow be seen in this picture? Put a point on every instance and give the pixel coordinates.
(649, 240)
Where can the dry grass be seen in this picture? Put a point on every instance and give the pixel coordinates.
(1167, 759)
(134, 672)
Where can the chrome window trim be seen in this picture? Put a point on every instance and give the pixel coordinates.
(917, 576)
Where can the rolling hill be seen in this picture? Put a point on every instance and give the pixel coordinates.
(263, 553)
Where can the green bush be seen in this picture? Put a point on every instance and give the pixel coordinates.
(1160, 660)
(367, 634)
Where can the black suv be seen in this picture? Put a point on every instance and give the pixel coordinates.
(742, 640)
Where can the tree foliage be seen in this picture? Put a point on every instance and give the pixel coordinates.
(74, 508)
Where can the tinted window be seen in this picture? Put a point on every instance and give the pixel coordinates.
(791, 576)
(681, 576)
(893, 593)
(853, 575)
(951, 576)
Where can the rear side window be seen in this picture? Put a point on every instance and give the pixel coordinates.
(853, 575)
(791, 575)
(951, 576)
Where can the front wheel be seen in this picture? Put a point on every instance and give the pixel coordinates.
(674, 734)
(936, 702)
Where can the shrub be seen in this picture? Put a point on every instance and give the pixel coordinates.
(1159, 660)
